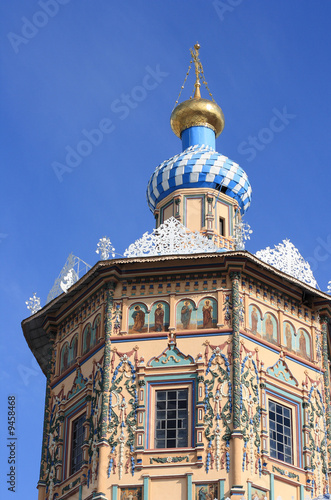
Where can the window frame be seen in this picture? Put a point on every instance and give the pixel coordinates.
(279, 423)
(294, 404)
(174, 420)
(71, 416)
(153, 387)
(80, 446)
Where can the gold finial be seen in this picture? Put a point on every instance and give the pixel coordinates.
(197, 111)
(197, 64)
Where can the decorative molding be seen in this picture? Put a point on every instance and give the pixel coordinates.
(281, 371)
(168, 460)
(284, 472)
(171, 356)
(78, 384)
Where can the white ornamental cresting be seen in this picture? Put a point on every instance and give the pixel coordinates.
(170, 238)
(287, 258)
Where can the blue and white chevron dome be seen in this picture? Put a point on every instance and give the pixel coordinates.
(199, 166)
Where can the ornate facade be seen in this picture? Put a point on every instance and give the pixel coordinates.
(186, 375)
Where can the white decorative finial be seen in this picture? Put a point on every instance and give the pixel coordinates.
(104, 248)
(242, 232)
(287, 258)
(68, 280)
(33, 304)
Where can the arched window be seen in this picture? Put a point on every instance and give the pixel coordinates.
(73, 349)
(64, 358)
(87, 338)
(97, 328)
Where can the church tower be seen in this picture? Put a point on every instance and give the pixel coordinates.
(189, 369)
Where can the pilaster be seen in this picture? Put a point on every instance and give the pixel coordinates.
(237, 486)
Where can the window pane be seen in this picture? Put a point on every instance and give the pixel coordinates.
(280, 441)
(77, 440)
(171, 415)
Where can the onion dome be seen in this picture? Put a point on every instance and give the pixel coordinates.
(199, 166)
(197, 122)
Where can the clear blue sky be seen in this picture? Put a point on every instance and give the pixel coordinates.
(75, 70)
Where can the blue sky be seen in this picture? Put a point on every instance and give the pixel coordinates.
(85, 65)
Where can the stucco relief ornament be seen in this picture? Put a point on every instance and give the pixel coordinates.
(168, 239)
(105, 248)
(33, 304)
(287, 258)
(242, 232)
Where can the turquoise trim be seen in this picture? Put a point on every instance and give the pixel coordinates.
(114, 490)
(302, 492)
(287, 395)
(81, 403)
(80, 494)
(198, 135)
(146, 487)
(165, 379)
(294, 401)
(249, 491)
(189, 487)
(272, 487)
(184, 336)
(221, 483)
(280, 371)
(171, 356)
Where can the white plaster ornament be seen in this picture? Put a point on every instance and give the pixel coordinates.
(170, 238)
(287, 258)
(33, 304)
(68, 280)
(105, 248)
(242, 232)
(79, 268)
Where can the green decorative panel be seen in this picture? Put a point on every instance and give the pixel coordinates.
(218, 405)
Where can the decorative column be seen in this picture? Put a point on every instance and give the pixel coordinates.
(50, 371)
(237, 486)
(324, 325)
(103, 443)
